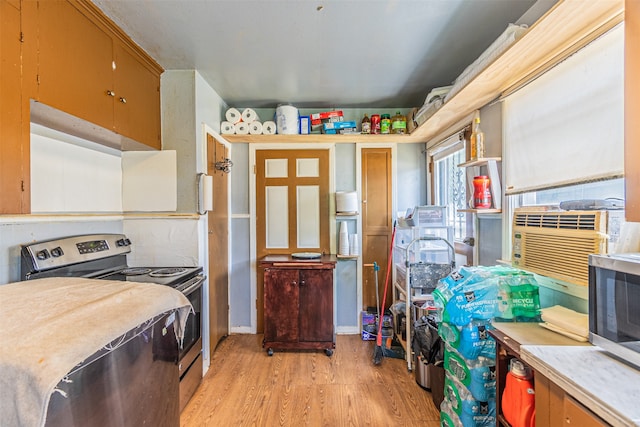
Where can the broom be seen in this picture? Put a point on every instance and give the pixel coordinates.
(377, 351)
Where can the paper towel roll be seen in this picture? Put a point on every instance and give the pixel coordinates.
(287, 119)
(249, 115)
(226, 128)
(233, 115)
(207, 193)
(255, 128)
(241, 128)
(269, 128)
(346, 201)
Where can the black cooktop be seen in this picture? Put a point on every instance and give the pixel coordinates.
(170, 276)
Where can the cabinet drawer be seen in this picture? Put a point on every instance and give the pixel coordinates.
(575, 414)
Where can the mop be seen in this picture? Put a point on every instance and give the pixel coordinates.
(378, 354)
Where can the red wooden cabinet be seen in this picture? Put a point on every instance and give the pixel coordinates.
(298, 304)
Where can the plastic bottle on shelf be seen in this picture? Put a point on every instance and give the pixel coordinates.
(365, 125)
(375, 123)
(399, 124)
(385, 124)
(477, 141)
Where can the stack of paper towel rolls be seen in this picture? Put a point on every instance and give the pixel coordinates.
(245, 122)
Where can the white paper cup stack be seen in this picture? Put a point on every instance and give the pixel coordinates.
(354, 245)
(344, 240)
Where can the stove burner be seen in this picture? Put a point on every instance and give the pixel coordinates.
(168, 272)
(135, 271)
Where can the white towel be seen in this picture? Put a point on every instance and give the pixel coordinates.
(567, 319)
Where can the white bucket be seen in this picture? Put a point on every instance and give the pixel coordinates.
(346, 201)
(287, 118)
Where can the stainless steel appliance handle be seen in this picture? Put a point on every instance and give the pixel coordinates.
(193, 284)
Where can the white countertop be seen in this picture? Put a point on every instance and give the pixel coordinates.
(609, 388)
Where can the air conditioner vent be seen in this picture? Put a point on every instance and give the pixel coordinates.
(561, 220)
(558, 244)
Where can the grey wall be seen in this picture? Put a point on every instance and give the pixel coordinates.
(412, 178)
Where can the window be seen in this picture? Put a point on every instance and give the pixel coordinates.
(450, 189)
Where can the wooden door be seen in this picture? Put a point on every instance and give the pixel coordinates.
(75, 68)
(292, 207)
(218, 220)
(137, 100)
(14, 140)
(316, 305)
(376, 222)
(281, 292)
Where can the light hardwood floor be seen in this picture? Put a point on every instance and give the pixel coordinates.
(246, 387)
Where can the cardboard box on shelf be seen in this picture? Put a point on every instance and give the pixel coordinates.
(326, 115)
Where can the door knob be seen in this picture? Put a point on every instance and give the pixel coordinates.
(123, 100)
(111, 93)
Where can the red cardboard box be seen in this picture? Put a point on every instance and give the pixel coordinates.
(326, 115)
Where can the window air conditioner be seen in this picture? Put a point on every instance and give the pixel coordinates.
(558, 244)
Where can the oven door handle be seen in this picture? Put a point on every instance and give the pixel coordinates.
(197, 282)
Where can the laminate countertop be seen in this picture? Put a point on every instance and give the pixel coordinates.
(610, 388)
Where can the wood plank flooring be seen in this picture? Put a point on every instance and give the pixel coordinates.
(246, 387)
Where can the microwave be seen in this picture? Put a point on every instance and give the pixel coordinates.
(614, 305)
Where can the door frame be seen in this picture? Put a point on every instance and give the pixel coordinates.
(394, 204)
(252, 209)
(204, 224)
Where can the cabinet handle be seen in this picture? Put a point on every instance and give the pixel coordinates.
(111, 93)
(302, 283)
(123, 100)
(294, 283)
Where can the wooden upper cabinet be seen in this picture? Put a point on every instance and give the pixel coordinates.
(13, 198)
(75, 63)
(137, 98)
(88, 67)
(632, 110)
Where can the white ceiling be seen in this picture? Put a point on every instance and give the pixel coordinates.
(320, 53)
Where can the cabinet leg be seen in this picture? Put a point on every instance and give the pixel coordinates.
(328, 352)
(270, 351)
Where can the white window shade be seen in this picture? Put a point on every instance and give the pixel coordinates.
(567, 126)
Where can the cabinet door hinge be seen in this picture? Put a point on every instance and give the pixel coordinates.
(38, 79)
(21, 37)
(22, 185)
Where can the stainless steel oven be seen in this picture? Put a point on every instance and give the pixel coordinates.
(103, 256)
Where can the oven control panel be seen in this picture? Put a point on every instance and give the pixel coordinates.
(93, 246)
(70, 250)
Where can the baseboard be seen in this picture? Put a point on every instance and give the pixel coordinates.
(347, 330)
